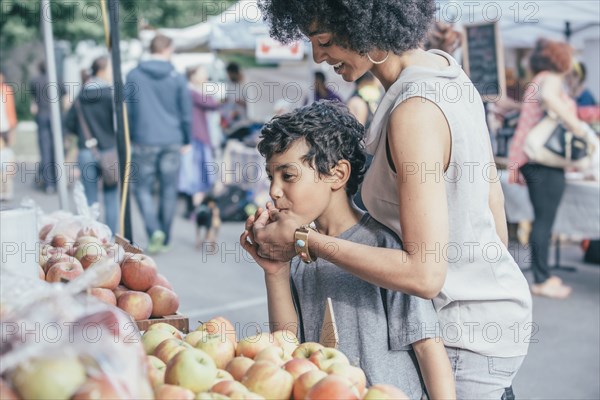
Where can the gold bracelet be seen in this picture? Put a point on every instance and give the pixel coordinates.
(301, 243)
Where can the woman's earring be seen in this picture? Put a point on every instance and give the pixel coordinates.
(379, 62)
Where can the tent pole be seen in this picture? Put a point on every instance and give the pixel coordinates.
(113, 10)
(55, 96)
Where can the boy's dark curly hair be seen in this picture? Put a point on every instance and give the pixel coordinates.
(360, 25)
(331, 134)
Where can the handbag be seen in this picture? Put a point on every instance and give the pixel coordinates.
(551, 144)
(107, 159)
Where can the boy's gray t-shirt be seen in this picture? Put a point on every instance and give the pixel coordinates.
(377, 343)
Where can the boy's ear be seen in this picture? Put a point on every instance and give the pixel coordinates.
(340, 174)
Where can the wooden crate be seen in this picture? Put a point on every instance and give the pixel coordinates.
(177, 320)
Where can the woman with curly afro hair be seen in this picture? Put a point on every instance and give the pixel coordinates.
(433, 181)
(550, 61)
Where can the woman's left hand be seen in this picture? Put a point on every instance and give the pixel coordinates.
(273, 232)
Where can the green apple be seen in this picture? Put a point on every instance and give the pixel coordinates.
(52, 379)
(306, 349)
(151, 339)
(327, 356)
(192, 369)
(218, 347)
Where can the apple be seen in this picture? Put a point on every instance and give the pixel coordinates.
(252, 345)
(44, 378)
(161, 280)
(287, 340)
(89, 252)
(333, 387)
(167, 327)
(298, 366)
(41, 273)
(48, 252)
(60, 240)
(152, 338)
(119, 290)
(306, 349)
(6, 393)
(219, 348)
(193, 369)
(64, 272)
(105, 295)
(223, 375)
(138, 272)
(385, 392)
(45, 231)
(101, 387)
(164, 301)
(273, 354)
(226, 387)
(327, 356)
(156, 371)
(115, 252)
(168, 348)
(306, 381)
(269, 380)
(109, 274)
(171, 392)
(353, 374)
(136, 304)
(238, 367)
(222, 326)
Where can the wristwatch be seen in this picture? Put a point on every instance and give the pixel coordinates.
(301, 243)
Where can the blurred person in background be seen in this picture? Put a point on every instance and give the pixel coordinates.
(235, 122)
(195, 178)
(160, 120)
(576, 79)
(8, 123)
(322, 90)
(94, 108)
(40, 108)
(549, 62)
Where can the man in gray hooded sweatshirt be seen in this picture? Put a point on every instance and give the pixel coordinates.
(160, 114)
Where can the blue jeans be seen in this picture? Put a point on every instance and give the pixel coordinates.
(47, 166)
(90, 177)
(151, 164)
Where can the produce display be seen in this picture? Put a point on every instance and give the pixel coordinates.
(209, 363)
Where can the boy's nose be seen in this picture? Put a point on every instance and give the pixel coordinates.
(275, 192)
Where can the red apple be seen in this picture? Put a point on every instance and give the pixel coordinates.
(273, 354)
(136, 304)
(252, 345)
(161, 280)
(226, 387)
(327, 356)
(222, 326)
(138, 272)
(333, 387)
(119, 290)
(59, 258)
(384, 392)
(171, 392)
(218, 347)
(60, 240)
(167, 327)
(306, 381)
(152, 338)
(192, 369)
(164, 301)
(298, 366)
(109, 274)
(269, 380)
(168, 348)
(105, 295)
(48, 252)
(101, 387)
(287, 340)
(306, 349)
(353, 374)
(41, 273)
(238, 367)
(90, 251)
(64, 272)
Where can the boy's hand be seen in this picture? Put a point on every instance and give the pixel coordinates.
(269, 232)
(269, 266)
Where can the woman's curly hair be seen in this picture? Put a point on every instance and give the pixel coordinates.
(360, 25)
(550, 55)
(331, 134)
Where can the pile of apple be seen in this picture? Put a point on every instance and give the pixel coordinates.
(133, 284)
(209, 363)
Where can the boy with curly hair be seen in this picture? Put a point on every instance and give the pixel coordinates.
(315, 162)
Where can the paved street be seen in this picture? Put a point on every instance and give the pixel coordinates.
(564, 358)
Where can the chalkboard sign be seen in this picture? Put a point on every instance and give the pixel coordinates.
(483, 59)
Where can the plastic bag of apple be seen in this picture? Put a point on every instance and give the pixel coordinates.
(57, 345)
(133, 284)
(209, 363)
